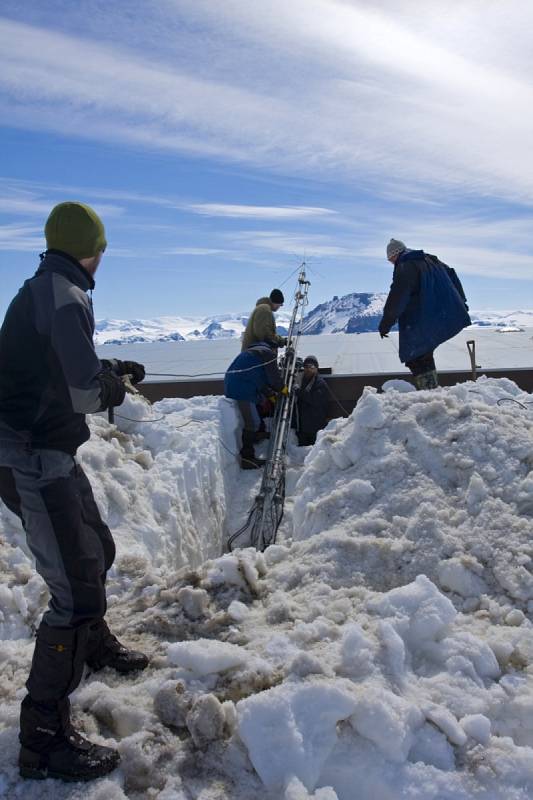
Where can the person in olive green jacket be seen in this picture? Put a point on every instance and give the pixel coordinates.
(261, 326)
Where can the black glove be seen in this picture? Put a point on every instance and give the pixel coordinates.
(112, 390)
(119, 367)
(136, 371)
(132, 368)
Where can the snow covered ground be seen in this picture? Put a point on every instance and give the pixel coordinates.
(382, 649)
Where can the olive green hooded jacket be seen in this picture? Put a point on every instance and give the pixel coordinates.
(261, 326)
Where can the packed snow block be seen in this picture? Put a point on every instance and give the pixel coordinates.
(193, 601)
(476, 494)
(207, 656)
(447, 723)
(206, 720)
(172, 703)
(357, 652)
(454, 575)
(296, 791)
(398, 385)
(388, 720)
(418, 611)
(302, 720)
(243, 569)
(477, 727)
(432, 747)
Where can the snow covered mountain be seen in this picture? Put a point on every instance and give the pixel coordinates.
(358, 312)
(168, 329)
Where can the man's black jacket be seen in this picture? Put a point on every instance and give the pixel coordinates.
(50, 375)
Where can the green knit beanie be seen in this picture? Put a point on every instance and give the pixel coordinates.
(75, 229)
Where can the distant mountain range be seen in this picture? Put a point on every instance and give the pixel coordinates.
(358, 312)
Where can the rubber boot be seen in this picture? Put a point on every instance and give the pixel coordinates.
(248, 457)
(104, 650)
(50, 747)
(427, 380)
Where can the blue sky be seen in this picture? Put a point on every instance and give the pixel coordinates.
(223, 142)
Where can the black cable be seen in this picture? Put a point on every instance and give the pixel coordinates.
(209, 374)
(510, 400)
(337, 401)
(130, 419)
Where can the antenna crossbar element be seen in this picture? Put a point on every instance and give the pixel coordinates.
(266, 514)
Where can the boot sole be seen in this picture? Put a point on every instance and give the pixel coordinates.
(30, 773)
(121, 670)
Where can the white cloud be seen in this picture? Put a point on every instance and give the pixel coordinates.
(294, 244)
(258, 212)
(21, 237)
(193, 251)
(374, 92)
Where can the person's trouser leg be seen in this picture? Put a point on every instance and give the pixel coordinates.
(424, 371)
(251, 421)
(73, 549)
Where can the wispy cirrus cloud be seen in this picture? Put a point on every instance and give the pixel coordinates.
(26, 238)
(318, 88)
(258, 212)
(194, 251)
(293, 244)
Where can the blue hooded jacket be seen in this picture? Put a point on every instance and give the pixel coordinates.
(427, 300)
(259, 372)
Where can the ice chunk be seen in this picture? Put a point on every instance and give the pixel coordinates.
(389, 721)
(296, 791)
(420, 611)
(447, 723)
(206, 656)
(302, 721)
(477, 726)
(206, 720)
(396, 385)
(238, 611)
(456, 577)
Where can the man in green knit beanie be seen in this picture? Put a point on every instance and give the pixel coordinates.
(76, 229)
(50, 378)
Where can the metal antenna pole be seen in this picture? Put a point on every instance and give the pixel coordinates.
(266, 513)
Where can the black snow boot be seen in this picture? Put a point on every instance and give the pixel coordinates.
(104, 650)
(261, 436)
(248, 457)
(55, 749)
(50, 747)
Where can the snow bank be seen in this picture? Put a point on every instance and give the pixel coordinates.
(382, 649)
(161, 484)
(432, 482)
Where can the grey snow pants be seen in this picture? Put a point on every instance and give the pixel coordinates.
(72, 546)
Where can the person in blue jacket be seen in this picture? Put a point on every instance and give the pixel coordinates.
(251, 375)
(428, 302)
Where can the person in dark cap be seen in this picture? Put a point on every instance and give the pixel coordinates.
(312, 403)
(50, 378)
(261, 326)
(427, 300)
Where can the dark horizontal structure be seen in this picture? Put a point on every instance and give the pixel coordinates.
(345, 389)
